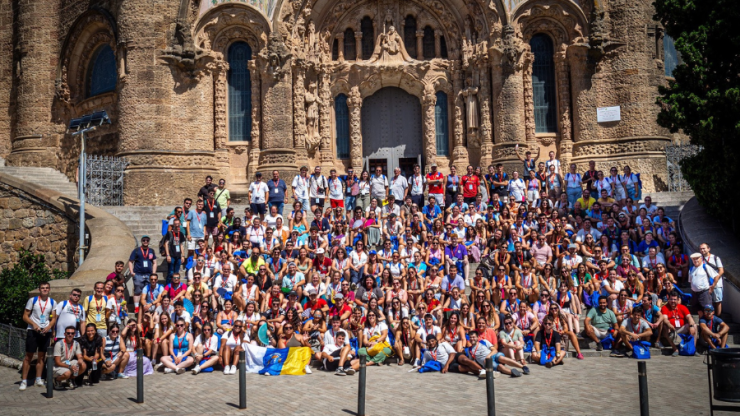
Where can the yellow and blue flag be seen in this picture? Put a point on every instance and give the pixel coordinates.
(277, 361)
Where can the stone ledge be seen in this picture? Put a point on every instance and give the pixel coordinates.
(110, 239)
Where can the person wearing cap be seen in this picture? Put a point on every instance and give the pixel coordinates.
(321, 264)
(570, 258)
(141, 264)
(701, 278)
(315, 242)
(648, 241)
(340, 309)
(293, 280)
(315, 303)
(436, 183)
(293, 302)
(174, 246)
(713, 330)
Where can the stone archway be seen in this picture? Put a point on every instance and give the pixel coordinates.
(392, 130)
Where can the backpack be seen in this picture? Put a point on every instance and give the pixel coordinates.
(162, 251)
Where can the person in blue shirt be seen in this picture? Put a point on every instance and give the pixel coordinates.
(350, 195)
(277, 188)
(714, 331)
(647, 243)
(431, 212)
(150, 295)
(141, 264)
(453, 279)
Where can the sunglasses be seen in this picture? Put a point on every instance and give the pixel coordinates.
(180, 326)
(69, 333)
(287, 327)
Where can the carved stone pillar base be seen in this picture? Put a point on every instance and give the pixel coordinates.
(36, 150)
(460, 158)
(253, 165)
(486, 155)
(282, 160)
(566, 153)
(222, 163)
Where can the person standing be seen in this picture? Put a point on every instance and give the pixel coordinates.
(195, 225)
(470, 183)
(573, 182)
(417, 183)
(259, 194)
(589, 178)
(499, 182)
(336, 191)
(452, 187)
(213, 216)
(317, 185)
(379, 186)
(351, 189)
(141, 264)
(714, 263)
(277, 189)
(530, 164)
(517, 188)
(435, 181)
(38, 315)
(223, 196)
(69, 313)
(702, 279)
(399, 186)
(173, 248)
(300, 188)
(209, 186)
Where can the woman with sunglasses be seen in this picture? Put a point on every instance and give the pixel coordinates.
(453, 332)
(115, 355)
(564, 330)
(225, 319)
(435, 256)
(622, 306)
(181, 345)
(467, 318)
(397, 291)
(251, 319)
(634, 287)
(526, 283)
(291, 339)
(433, 280)
(395, 314)
(569, 305)
(201, 316)
(490, 317)
(373, 333)
(405, 347)
(231, 345)
(313, 330)
(512, 340)
(374, 306)
(205, 349)
(116, 308)
(340, 263)
(131, 341)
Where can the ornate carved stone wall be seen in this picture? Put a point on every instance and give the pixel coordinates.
(170, 108)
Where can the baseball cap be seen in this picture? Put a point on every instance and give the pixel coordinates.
(293, 293)
(373, 252)
(572, 246)
(339, 296)
(319, 251)
(709, 308)
(312, 291)
(145, 236)
(434, 164)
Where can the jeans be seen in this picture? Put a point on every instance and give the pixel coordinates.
(573, 195)
(174, 267)
(349, 203)
(303, 202)
(356, 276)
(279, 206)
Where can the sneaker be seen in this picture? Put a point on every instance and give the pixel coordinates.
(233, 370)
(196, 370)
(496, 374)
(616, 353)
(58, 385)
(659, 344)
(136, 310)
(340, 372)
(157, 366)
(525, 370)
(482, 373)
(23, 386)
(516, 373)
(599, 347)
(39, 382)
(579, 356)
(168, 370)
(180, 370)
(227, 370)
(349, 370)
(675, 353)
(416, 363)
(308, 369)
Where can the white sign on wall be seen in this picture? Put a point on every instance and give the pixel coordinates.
(607, 114)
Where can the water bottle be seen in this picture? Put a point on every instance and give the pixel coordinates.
(95, 365)
(76, 371)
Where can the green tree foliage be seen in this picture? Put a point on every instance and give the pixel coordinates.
(704, 99)
(16, 282)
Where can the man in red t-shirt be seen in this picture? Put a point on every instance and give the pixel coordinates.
(175, 289)
(679, 320)
(341, 309)
(315, 303)
(470, 184)
(435, 181)
(321, 263)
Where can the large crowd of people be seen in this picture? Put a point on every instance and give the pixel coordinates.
(429, 268)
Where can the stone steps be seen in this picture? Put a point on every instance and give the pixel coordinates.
(43, 176)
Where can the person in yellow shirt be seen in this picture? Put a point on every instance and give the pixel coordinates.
(252, 264)
(586, 200)
(606, 201)
(94, 307)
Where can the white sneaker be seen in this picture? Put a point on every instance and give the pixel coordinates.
(308, 369)
(23, 386)
(39, 382)
(495, 374)
(233, 369)
(227, 370)
(168, 370)
(180, 370)
(482, 373)
(196, 370)
(157, 366)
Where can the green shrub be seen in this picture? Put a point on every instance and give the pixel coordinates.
(16, 282)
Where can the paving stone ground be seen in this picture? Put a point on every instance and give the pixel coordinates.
(677, 386)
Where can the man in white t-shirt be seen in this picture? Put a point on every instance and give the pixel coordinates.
(317, 186)
(649, 207)
(336, 190)
(258, 194)
(713, 262)
(399, 186)
(38, 315)
(300, 188)
(446, 355)
(379, 185)
(553, 162)
(417, 182)
(426, 329)
(69, 313)
(224, 284)
(517, 187)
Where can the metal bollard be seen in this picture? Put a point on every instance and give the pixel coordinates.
(50, 372)
(489, 388)
(140, 376)
(361, 390)
(242, 380)
(642, 378)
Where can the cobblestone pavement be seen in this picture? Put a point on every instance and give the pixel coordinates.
(677, 386)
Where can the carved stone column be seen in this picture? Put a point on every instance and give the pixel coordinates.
(326, 155)
(299, 115)
(563, 85)
(584, 103)
(484, 95)
(459, 152)
(529, 125)
(428, 102)
(35, 137)
(437, 47)
(354, 103)
(220, 118)
(358, 46)
(420, 45)
(340, 46)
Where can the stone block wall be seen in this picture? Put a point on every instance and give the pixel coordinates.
(28, 223)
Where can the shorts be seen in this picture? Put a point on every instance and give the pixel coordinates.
(440, 199)
(60, 371)
(192, 244)
(674, 335)
(600, 333)
(469, 200)
(333, 365)
(38, 342)
(717, 295)
(495, 360)
(337, 203)
(455, 364)
(703, 299)
(140, 281)
(212, 230)
(318, 202)
(259, 209)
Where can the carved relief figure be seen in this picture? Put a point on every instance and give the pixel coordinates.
(313, 139)
(471, 104)
(390, 48)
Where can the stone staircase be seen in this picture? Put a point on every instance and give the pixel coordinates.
(46, 177)
(672, 202)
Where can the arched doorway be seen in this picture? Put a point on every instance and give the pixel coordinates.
(391, 130)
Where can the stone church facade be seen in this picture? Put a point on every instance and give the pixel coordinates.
(231, 87)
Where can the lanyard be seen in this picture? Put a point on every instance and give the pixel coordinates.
(133, 342)
(210, 204)
(549, 340)
(97, 305)
(207, 345)
(43, 308)
(145, 255)
(67, 349)
(179, 342)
